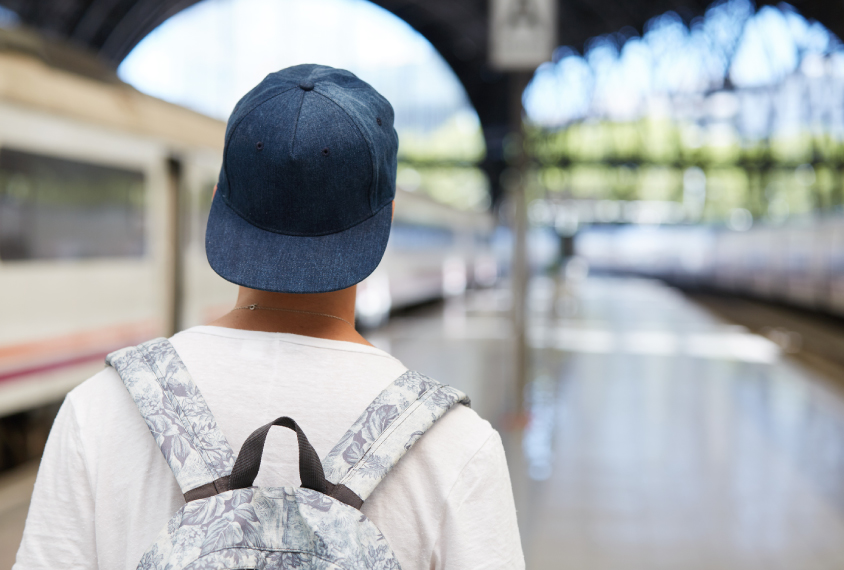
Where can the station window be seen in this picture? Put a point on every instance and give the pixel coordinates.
(53, 208)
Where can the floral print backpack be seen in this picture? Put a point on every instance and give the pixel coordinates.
(226, 522)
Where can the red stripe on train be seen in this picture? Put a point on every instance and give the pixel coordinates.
(47, 354)
(16, 374)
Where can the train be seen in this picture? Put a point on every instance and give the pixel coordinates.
(799, 262)
(104, 198)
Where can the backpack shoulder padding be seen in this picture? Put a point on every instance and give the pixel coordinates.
(388, 427)
(175, 412)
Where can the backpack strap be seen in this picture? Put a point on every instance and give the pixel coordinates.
(391, 424)
(177, 416)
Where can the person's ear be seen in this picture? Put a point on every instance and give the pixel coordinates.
(214, 192)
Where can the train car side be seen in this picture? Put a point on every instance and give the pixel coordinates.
(800, 263)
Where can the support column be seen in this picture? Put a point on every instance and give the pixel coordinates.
(176, 246)
(520, 269)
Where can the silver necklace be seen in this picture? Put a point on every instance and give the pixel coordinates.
(254, 306)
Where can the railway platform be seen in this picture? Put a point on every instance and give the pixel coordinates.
(661, 435)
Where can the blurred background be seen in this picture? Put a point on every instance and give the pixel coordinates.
(619, 227)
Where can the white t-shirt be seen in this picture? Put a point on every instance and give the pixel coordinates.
(104, 490)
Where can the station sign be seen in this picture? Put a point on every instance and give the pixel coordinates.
(522, 33)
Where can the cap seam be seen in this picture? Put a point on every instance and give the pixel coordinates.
(296, 234)
(296, 125)
(374, 183)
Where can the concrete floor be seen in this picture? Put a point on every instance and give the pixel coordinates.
(660, 436)
(675, 440)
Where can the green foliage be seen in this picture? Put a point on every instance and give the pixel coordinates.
(442, 163)
(790, 173)
(726, 189)
(462, 187)
(459, 139)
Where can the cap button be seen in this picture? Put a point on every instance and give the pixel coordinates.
(306, 85)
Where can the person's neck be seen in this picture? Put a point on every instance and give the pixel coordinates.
(311, 322)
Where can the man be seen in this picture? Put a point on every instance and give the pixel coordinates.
(301, 213)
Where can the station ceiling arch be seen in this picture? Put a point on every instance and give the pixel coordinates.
(456, 28)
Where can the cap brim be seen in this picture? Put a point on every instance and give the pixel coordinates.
(259, 259)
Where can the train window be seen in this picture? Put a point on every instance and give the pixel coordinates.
(53, 208)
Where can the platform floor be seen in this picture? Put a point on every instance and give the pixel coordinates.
(660, 436)
(675, 440)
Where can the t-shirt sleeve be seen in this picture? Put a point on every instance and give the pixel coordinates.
(479, 528)
(59, 531)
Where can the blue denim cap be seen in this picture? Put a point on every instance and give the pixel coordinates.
(304, 200)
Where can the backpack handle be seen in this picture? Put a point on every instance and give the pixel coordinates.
(311, 473)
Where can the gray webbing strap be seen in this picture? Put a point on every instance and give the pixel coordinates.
(175, 412)
(391, 424)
